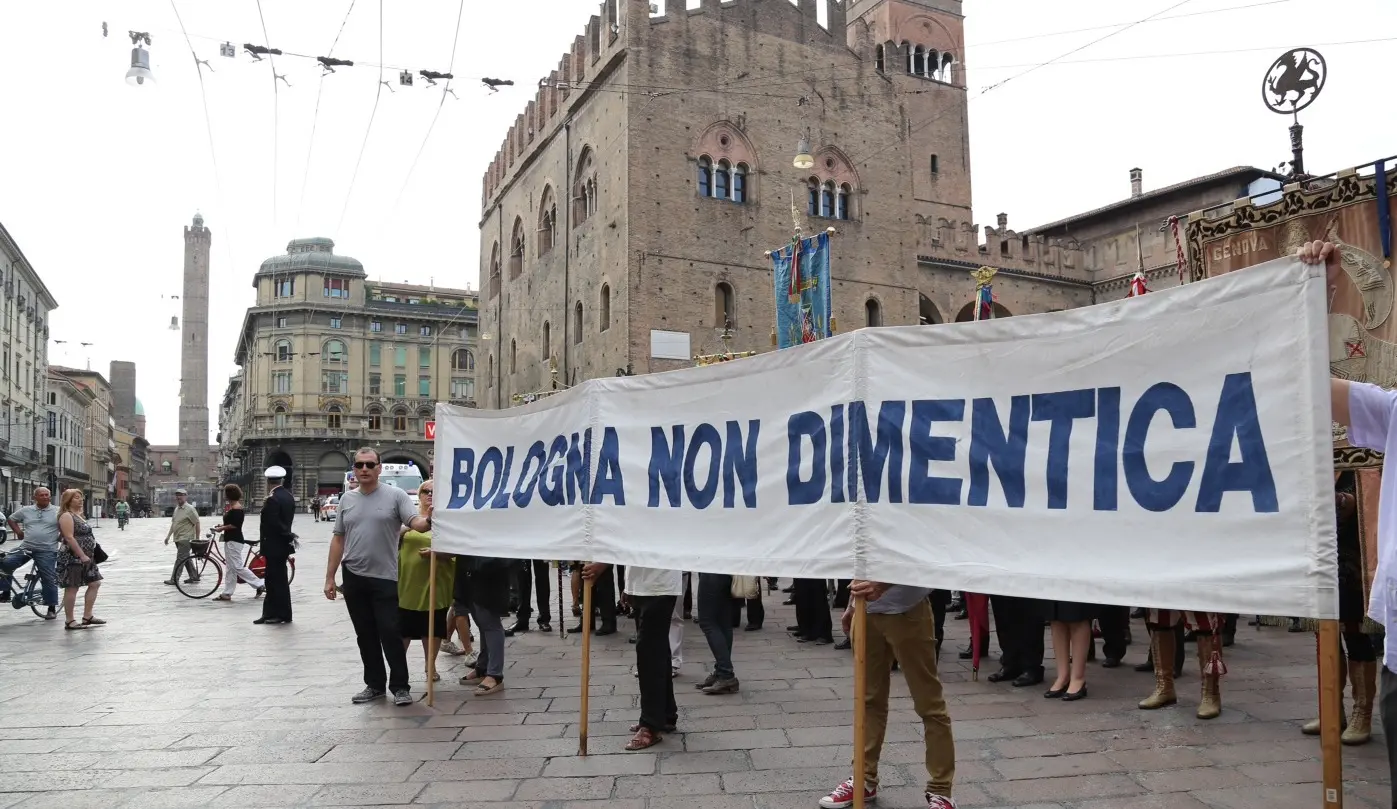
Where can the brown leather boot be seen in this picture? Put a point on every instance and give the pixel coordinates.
(1210, 704)
(1162, 650)
(1364, 679)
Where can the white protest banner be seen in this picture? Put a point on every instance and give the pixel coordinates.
(1172, 450)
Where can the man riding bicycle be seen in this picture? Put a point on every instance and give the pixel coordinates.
(123, 513)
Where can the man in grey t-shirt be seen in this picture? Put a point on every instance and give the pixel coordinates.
(365, 549)
(37, 525)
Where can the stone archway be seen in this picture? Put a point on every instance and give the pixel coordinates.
(967, 312)
(927, 312)
(330, 472)
(282, 458)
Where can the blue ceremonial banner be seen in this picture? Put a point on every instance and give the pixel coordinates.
(802, 291)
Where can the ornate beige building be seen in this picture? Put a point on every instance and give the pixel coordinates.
(330, 361)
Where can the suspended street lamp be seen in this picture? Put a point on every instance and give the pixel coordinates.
(139, 74)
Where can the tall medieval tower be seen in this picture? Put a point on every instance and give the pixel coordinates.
(194, 355)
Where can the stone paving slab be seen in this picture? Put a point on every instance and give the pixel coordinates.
(184, 703)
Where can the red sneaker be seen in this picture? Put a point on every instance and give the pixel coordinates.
(939, 802)
(843, 796)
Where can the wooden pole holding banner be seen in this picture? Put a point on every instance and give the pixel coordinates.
(1331, 694)
(586, 663)
(859, 631)
(431, 627)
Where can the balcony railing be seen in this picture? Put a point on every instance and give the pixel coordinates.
(302, 432)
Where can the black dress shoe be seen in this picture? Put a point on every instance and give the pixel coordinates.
(788, 602)
(823, 641)
(788, 589)
(1028, 678)
(795, 628)
(545, 626)
(268, 621)
(966, 653)
(520, 627)
(1148, 665)
(844, 645)
(576, 630)
(1073, 696)
(962, 615)
(1111, 663)
(1003, 674)
(605, 630)
(1054, 693)
(752, 627)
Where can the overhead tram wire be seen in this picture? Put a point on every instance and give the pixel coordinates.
(315, 118)
(276, 115)
(378, 93)
(393, 212)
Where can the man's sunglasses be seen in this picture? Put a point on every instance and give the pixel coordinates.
(365, 464)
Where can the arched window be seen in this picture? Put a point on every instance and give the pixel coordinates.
(605, 307)
(584, 189)
(547, 340)
(739, 183)
(812, 187)
(724, 315)
(166, 467)
(400, 421)
(513, 356)
(907, 49)
(333, 353)
(333, 417)
(490, 372)
(721, 179)
(279, 417)
(873, 312)
(283, 351)
(375, 419)
(516, 249)
(577, 323)
(947, 73)
(547, 222)
(827, 199)
(879, 59)
(495, 271)
(918, 61)
(841, 202)
(705, 177)
(462, 360)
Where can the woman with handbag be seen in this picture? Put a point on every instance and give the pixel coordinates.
(77, 566)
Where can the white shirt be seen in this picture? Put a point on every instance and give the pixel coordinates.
(649, 581)
(1372, 412)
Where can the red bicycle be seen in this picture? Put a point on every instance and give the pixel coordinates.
(209, 563)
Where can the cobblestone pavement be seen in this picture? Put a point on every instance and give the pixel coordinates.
(184, 703)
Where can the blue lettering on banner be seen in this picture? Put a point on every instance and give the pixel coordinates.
(1060, 410)
(845, 454)
(608, 482)
(1151, 494)
(990, 443)
(924, 448)
(799, 427)
(1237, 417)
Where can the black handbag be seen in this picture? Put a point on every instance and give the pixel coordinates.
(98, 555)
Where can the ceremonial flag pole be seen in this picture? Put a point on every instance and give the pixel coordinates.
(858, 629)
(977, 605)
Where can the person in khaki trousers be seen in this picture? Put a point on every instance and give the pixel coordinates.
(184, 529)
(901, 629)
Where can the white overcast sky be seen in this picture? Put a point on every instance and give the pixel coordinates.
(99, 178)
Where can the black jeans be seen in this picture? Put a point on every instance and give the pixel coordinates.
(533, 574)
(1019, 624)
(604, 599)
(756, 611)
(276, 601)
(1115, 625)
(812, 609)
(715, 606)
(652, 660)
(373, 610)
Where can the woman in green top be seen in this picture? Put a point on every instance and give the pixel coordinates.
(414, 572)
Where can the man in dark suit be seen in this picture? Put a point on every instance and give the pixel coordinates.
(278, 544)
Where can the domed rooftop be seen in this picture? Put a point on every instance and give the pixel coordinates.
(311, 255)
(140, 409)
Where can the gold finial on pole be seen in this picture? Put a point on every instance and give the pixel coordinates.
(983, 276)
